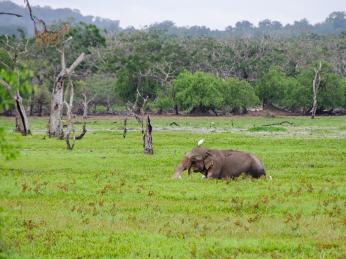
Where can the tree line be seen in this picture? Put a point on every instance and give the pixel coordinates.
(179, 73)
(333, 24)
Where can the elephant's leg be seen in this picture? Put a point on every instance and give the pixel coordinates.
(183, 165)
(214, 172)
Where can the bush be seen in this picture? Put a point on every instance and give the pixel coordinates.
(163, 103)
(238, 95)
(271, 86)
(198, 91)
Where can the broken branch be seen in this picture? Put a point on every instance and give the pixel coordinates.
(278, 123)
(13, 14)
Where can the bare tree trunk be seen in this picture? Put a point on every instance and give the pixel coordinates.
(70, 123)
(84, 131)
(30, 108)
(315, 85)
(39, 78)
(147, 138)
(40, 109)
(176, 109)
(86, 103)
(85, 110)
(125, 127)
(22, 122)
(108, 104)
(70, 127)
(54, 125)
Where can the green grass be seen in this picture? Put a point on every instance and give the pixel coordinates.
(107, 199)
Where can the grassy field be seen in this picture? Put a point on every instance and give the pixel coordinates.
(107, 199)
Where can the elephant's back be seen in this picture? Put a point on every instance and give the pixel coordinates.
(237, 162)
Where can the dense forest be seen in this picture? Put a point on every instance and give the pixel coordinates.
(192, 70)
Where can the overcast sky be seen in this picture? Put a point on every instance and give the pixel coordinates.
(215, 14)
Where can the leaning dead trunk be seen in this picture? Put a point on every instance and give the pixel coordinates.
(55, 125)
(315, 85)
(147, 138)
(22, 122)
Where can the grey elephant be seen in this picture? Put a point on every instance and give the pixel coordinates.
(220, 164)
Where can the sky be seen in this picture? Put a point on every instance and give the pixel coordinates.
(215, 14)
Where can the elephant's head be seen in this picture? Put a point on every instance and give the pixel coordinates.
(198, 160)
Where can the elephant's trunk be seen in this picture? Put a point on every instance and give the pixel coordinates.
(182, 166)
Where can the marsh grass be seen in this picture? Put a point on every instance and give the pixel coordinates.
(107, 199)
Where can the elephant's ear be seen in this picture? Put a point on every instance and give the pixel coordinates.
(208, 161)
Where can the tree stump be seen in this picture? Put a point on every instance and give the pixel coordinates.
(147, 138)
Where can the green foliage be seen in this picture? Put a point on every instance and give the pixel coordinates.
(139, 60)
(332, 89)
(18, 80)
(5, 59)
(86, 36)
(151, 59)
(163, 103)
(5, 99)
(295, 92)
(239, 94)
(270, 87)
(99, 88)
(6, 149)
(298, 92)
(199, 91)
(125, 87)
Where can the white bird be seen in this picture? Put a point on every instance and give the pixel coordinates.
(200, 142)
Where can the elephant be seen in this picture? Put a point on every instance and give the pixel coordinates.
(220, 164)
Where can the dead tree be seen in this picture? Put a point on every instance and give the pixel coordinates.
(147, 138)
(70, 125)
(22, 122)
(138, 112)
(15, 52)
(54, 124)
(315, 87)
(135, 111)
(86, 103)
(70, 129)
(43, 36)
(163, 73)
(12, 14)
